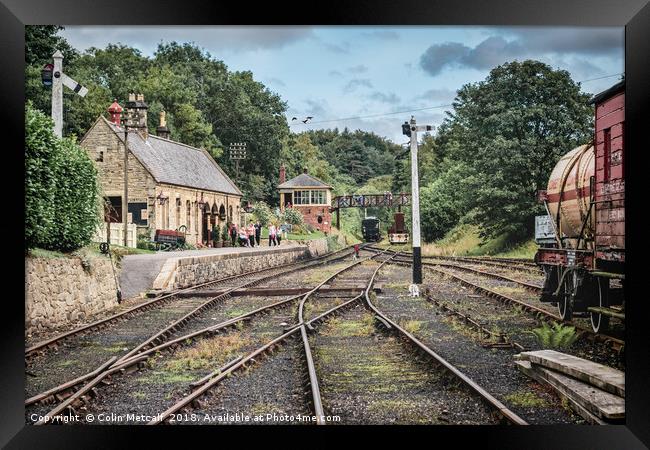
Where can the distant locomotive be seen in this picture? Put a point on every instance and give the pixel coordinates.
(583, 257)
(398, 234)
(370, 229)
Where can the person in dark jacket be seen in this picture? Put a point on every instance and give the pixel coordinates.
(258, 233)
(233, 233)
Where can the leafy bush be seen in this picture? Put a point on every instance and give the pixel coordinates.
(557, 336)
(61, 188)
(292, 216)
(263, 213)
(40, 180)
(332, 243)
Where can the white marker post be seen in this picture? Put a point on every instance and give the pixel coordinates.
(411, 129)
(59, 79)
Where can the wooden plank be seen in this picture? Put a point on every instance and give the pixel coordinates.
(272, 292)
(599, 375)
(526, 368)
(607, 312)
(596, 401)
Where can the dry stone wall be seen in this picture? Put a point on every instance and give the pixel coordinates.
(184, 272)
(59, 291)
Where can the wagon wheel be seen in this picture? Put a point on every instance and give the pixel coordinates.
(600, 322)
(567, 295)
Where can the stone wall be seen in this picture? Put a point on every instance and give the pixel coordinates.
(317, 247)
(183, 272)
(59, 291)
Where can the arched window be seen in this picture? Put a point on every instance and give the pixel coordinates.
(178, 213)
(196, 218)
(165, 216)
(188, 215)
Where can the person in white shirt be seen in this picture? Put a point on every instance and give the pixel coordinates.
(272, 231)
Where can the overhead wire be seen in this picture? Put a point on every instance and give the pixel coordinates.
(420, 109)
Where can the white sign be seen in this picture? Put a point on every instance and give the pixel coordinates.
(544, 233)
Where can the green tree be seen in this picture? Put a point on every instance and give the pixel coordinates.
(41, 41)
(511, 129)
(263, 213)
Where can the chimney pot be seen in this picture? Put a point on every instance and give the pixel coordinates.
(162, 130)
(304, 170)
(115, 111)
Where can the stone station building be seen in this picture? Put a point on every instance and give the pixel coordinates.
(171, 186)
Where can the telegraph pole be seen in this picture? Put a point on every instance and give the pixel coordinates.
(410, 129)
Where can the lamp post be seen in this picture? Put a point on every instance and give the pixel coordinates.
(125, 203)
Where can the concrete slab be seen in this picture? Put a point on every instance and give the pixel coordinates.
(596, 401)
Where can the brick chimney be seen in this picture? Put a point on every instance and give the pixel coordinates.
(162, 130)
(304, 170)
(283, 174)
(136, 111)
(115, 110)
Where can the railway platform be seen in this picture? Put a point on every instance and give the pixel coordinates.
(140, 271)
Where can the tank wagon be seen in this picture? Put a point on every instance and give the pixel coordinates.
(370, 229)
(397, 233)
(584, 259)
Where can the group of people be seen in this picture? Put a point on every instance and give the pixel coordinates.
(250, 236)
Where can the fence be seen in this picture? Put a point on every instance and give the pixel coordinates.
(117, 234)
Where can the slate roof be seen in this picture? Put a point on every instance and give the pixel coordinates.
(179, 164)
(303, 180)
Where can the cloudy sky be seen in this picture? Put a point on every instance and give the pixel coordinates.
(358, 76)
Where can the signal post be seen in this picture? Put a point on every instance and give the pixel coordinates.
(410, 129)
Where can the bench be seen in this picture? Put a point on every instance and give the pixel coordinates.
(169, 239)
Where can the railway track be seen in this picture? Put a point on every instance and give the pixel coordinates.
(477, 336)
(424, 394)
(54, 342)
(540, 313)
(286, 345)
(192, 402)
(537, 289)
(133, 360)
(59, 385)
(501, 263)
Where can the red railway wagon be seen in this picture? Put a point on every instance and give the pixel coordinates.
(584, 263)
(397, 233)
